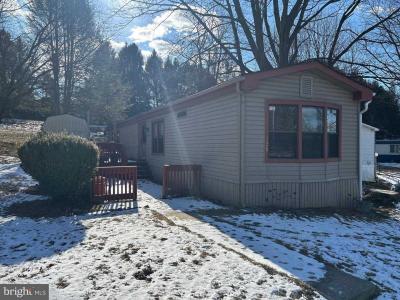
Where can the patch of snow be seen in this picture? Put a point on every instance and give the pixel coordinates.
(178, 204)
(128, 254)
(365, 247)
(13, 174)
(388, 179)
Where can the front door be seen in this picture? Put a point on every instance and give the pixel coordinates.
(142, 141)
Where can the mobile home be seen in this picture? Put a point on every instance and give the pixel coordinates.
(388, 150)
(288, 138)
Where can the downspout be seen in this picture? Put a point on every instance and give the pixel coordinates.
(359, 146)
(241, 141)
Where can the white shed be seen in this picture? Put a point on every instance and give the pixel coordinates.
(68, 124)
(368, 152)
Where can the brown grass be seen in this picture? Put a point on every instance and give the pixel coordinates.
(11, 140)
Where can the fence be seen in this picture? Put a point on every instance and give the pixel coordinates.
(181, 180)
(114, 183)
(111, 154)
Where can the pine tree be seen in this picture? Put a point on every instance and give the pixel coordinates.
(157, 88)
(173, 84)
(104, 95)
(384, 113)
(130, 61)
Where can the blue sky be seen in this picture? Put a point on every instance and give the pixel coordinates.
(148, 32)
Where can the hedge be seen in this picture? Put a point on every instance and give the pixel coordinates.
(62, 164)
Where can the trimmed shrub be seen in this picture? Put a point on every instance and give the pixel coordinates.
(62, 164)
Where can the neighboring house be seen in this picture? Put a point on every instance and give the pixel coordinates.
(68, 124)
(388, 151)
(368, 159)
(288, 137)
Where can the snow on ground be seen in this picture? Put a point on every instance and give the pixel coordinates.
(130, 254)
(390, 176)
(368, 249)
(365, 247)
(13, 179)
(213, 251)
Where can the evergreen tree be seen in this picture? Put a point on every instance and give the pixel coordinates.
(157, 89)
(172, 80)
(384, 113)
(104, 95)
(194, 78)
(131, 64)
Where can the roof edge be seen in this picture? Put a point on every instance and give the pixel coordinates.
(181, 101)
(253, 80)
(360, 92)
(371, 127)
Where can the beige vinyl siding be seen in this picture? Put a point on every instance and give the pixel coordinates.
(299, 184)
(128, 137)
(208, 135)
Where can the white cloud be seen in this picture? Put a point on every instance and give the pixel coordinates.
(146, 53)
(162, 47)
(161, 26)
(117, 45)
(142, 34)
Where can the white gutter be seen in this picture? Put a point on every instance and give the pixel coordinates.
(359, 145)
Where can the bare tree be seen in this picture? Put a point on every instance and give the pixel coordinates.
(21, 67)
(383, 52)
(196, 47)
(263, 34)
(71, 40)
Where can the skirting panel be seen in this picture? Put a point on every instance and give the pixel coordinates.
(339, 193)
(221, 191)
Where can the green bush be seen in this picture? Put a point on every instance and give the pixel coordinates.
(62, 164)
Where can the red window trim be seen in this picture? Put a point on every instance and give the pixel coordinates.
(300, 104)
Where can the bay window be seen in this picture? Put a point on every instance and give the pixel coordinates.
(298, 131)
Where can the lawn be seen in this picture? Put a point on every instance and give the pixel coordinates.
(14, 133)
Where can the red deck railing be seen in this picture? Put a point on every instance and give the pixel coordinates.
(114, 183)
(181, 180)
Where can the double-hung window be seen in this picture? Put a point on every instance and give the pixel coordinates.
(312, 132)
(282, 134)
(157, 134)
(302, 131)
(332, 115)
